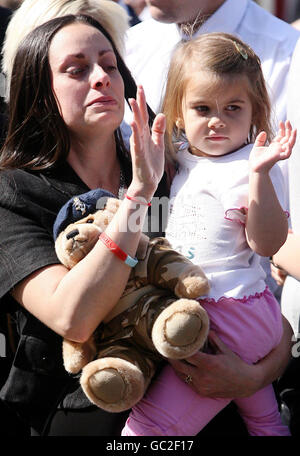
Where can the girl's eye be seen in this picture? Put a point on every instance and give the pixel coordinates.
(233, 108)
(203, 108)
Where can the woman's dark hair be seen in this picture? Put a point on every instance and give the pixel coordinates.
(37, 136)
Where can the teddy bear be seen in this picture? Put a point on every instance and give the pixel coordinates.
(157, 316)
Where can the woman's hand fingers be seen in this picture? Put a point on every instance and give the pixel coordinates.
(222, 374)
(137, 116)
(158, 130)
(139, 110)
(146, 147)
(141, 101)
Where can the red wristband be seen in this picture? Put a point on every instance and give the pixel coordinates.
(131, 198)
(111, 245)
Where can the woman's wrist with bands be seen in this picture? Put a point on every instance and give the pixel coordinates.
(138, 200)
(117, 251)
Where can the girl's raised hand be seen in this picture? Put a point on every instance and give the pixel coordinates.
(262, 158)
(146, 147)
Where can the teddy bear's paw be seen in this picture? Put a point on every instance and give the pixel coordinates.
(77, 355)
(191, 286)
(113, 384)
(181, 329)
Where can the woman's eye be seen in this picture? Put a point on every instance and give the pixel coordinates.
(90, 221)
(110, 68)
(74, 71)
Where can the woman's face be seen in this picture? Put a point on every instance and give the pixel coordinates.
(86, 81)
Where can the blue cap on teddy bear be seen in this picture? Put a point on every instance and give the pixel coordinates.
(79, 207)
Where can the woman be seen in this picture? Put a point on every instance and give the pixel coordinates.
(66, 104)
(78, 120)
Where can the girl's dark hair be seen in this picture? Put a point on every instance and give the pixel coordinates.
(37, 136)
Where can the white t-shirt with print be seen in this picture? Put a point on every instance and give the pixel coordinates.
(206, 220)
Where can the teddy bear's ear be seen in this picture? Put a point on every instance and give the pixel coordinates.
(79, 206)
(101, 203)
(62, 254)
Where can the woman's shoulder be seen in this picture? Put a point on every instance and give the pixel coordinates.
(18, 185)
(17, 179)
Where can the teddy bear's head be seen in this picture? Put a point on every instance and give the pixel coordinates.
(80, 222)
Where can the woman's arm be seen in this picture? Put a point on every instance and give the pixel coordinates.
(288, 256)
(266, 224)
(74, 302)
(225, 374)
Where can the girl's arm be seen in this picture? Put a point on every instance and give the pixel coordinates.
(74, 302)
(266, 223)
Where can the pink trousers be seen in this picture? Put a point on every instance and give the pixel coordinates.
(251, 328)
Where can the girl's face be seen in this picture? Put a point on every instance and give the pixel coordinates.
(216, 113)
(86, 81)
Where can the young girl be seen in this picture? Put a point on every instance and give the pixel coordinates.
(225, 212)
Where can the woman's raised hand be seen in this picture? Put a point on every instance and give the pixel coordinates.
(263, 158)
(146, 147)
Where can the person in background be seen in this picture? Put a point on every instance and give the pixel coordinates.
(285, 263)
(133, 17)
(149, 45)
(11, 4)
(136, 10)
(287, 258)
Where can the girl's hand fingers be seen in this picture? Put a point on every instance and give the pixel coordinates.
(287, 132)
(260, 139)
(287, 146)
(293, 138)
(281, 131)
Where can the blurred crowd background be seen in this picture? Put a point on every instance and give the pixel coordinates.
(288, 10)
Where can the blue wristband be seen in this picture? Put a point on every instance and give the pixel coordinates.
(132, 262)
